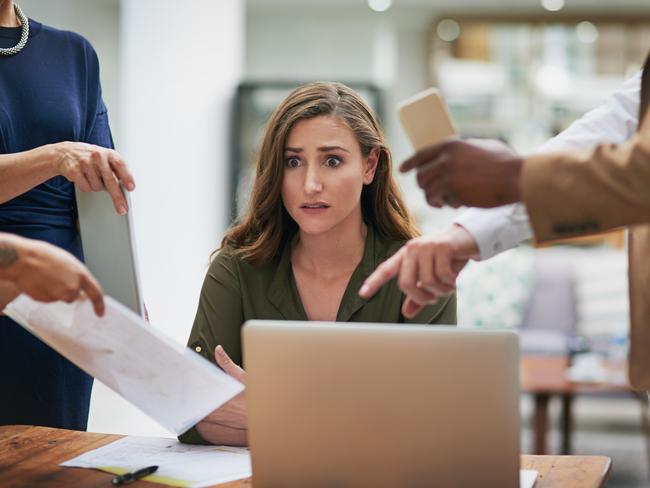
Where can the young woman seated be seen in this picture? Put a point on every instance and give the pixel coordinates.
(324, 212)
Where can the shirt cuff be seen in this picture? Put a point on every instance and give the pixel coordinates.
(497, 229)
(192, 436)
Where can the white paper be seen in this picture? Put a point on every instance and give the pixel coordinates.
(527, 478)
(186, 465)
(169, 382)
(178, 464)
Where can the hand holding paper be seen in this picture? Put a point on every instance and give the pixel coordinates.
(168, 382)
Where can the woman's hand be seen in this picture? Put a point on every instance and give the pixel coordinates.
(227, 364)
(94, 168)
(228, 424)
(45, 272)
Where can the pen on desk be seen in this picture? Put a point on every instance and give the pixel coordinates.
(126, 478)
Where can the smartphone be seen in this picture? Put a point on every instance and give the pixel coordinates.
(425, 118)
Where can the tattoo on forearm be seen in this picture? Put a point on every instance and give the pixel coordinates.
(8, 255)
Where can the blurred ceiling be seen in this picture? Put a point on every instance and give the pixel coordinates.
(593, 6)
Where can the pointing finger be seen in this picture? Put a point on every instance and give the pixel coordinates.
(384, 273)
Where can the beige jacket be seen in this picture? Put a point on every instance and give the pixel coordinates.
(576, 193)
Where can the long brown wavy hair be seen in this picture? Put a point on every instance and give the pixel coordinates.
(266, 225)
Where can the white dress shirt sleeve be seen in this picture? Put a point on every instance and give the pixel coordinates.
(498, 229)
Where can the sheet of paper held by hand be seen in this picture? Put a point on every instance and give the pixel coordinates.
(169, 382)
(178, 464)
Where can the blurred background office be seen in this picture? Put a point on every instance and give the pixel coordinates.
(189, 85)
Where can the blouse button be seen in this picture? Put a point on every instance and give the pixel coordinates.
(198, 349)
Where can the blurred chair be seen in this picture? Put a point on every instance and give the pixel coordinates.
(550, 317)
(574, 292)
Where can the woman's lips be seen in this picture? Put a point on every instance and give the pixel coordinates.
(314, 208)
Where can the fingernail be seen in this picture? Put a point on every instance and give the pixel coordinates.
(364, 290)
(130, 186)
(220, 350)
(122, 210)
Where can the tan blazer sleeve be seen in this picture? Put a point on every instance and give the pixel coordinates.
(585, 192)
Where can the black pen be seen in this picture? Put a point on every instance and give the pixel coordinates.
(126, 478)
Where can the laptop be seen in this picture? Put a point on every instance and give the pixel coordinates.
(350, 405)
(108, 243)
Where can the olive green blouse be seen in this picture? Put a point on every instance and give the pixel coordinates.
(235, 291)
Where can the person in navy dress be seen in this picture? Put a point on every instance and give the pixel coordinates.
(54, 135)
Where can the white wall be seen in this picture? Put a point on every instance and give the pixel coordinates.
(179, 71)
(349, 43)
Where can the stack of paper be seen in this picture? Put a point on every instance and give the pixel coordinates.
(178, 464)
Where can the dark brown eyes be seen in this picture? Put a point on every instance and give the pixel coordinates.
(330, 162)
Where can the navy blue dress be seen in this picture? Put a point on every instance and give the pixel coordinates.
(49, 92)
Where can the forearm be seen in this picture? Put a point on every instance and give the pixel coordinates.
(20, 172)
(218, 323)
(11, 249)
(8, 292)
(498, 229)
(219, 434)
(571, 194)
(45, 272)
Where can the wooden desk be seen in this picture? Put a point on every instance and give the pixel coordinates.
(30, 457)
(544, 377)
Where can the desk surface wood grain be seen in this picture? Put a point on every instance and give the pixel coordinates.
(30, 457)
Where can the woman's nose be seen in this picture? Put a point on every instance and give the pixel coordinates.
(313, 182)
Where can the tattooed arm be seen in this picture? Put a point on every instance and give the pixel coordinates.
(8, 256)
(44, 272)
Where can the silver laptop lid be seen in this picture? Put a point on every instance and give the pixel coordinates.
(381, 405)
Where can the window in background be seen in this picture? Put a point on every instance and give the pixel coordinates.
(526, 79)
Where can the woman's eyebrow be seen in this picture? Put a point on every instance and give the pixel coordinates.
(321, 149)
(332, 148)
